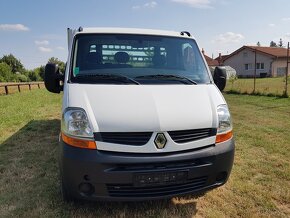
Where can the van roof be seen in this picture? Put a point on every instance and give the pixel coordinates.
(132, 31)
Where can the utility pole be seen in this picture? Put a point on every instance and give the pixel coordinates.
(287, 68)
(255, 67)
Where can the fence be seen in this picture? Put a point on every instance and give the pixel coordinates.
(263, 86)
(276, 86)
(19, 85)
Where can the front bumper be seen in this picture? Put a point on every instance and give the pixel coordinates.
(111, 175)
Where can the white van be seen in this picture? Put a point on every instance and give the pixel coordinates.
(142, 118)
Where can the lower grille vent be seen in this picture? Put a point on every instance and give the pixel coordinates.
(128, 190)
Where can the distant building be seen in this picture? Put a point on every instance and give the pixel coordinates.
(210, 61)
(221, 59)
(270, 61)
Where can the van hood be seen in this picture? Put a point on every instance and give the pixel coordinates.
(141, 108)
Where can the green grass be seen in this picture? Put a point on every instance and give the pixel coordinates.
(259, 185)
(264, 86)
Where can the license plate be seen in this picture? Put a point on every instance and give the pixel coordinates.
(159, 178)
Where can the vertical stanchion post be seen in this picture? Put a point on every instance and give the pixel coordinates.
(18, 87)
(286, 74)
(6, 90)
(255, 71)
(29, 86)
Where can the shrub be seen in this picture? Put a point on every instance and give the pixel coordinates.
(21, 78)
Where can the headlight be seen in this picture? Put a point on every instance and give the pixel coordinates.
(224, 131)
(224, 119)
(75, 123)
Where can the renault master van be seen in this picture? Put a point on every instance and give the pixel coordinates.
(142, 117)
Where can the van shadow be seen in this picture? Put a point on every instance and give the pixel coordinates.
(29, 167)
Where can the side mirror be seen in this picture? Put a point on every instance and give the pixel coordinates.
(220, 77)
(52, 78)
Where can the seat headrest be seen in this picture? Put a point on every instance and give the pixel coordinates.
(94, 58)
(159, 60)
(122, 57)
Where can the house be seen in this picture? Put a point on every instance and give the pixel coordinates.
(213, 63)
(270, 61)
(221, 59)
(210, 61)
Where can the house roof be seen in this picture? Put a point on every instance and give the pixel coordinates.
(275, 52)
(210, 61)
(221, 57)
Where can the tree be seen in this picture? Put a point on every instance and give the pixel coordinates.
(33, 75)
(13, 62)
(61, 64)
(280, 43)
(5, 73)
(12, 70)
(38, 73)
(273, 44)
(258, 44)
(21, 78)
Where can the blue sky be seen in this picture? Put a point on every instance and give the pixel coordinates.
(35, 30)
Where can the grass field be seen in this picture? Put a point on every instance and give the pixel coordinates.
(259, 185)
(264, 86)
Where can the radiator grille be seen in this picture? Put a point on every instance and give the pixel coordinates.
(125, 138)
(141, 138)
(183, 136)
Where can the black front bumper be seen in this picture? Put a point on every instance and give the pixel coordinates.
(111, 175)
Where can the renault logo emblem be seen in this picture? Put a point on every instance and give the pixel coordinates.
(160, 140)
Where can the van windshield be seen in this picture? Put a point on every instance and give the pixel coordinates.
(137, 59)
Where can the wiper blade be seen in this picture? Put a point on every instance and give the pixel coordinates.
(164, 76)
(121, 78)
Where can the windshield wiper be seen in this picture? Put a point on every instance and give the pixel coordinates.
(164, 76)
(115, 77)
